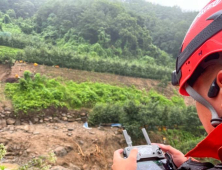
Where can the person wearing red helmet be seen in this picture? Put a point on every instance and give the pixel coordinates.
(199, 75)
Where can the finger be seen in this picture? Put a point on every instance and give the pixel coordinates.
(117, 154)
(161, 146)
(168, 148)
(133, 154)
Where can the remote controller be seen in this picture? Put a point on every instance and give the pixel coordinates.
(150, 156)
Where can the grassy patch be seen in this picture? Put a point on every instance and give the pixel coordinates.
(8, 54)
(40, 93)
(12, 28)
(9, 50)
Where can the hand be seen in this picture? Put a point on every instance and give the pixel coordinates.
(178, 157)
(120, 163)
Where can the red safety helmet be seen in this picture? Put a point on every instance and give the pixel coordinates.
(203, 39)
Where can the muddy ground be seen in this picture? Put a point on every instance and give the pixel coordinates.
(86, 148)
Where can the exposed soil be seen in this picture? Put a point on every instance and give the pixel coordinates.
(82, 76)
(5, 72)
(86, 148)
(28, 141)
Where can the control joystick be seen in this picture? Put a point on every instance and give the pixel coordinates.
(150, 156)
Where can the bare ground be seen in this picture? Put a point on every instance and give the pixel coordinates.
(82, 76)
(5, 72)
(87, 148)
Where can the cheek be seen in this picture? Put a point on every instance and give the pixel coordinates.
(205, 117)
(218, 104)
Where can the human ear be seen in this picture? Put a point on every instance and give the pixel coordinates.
(219, 78)
(216, 86)
(219, 82)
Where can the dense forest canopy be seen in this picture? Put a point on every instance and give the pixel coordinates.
(20, 8)
(132, 31)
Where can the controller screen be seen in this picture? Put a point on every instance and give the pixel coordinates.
(150, 165)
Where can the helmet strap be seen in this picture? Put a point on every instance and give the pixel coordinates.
(216, 120)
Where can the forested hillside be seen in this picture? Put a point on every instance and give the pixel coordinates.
(125, 37)
(133, 38)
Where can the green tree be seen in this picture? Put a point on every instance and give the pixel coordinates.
(191, 121)
(11, 13)
(6, 19)
(1, 29)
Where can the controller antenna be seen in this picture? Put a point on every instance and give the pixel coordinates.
(127, 138)
(146, 136)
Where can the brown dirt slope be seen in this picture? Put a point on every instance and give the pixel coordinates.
(85, 148)
(88, 149)
(5, 72)
(82, 76)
